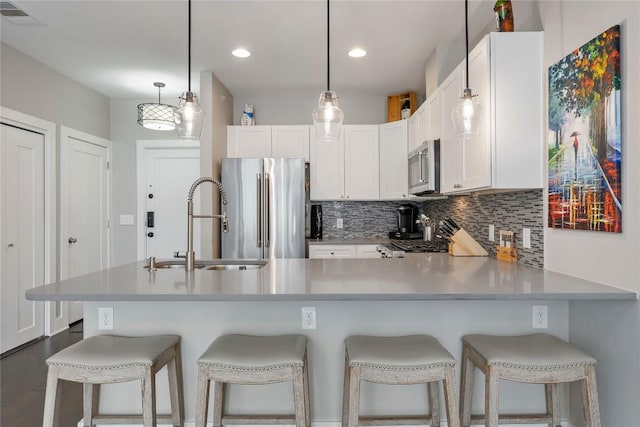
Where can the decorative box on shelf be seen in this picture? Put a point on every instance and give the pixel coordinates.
(397, 103)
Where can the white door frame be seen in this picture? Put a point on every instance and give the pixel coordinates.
(141, 147)
(65, 134)
(52, 324)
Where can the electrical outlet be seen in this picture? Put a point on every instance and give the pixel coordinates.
(308, 317)
(339, 223)
(526, 238)
(540, 316)
(105, 318)
(492, 233)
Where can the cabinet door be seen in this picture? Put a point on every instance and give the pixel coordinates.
(290, 142)
(450, 145)
(393, 161)
(327, 168)
(367, 251)
(434, 115)
(251, 142)
(361, 160)
(422, 125)
(412, 131)
(476, 150)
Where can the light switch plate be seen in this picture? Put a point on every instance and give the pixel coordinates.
(126, 219)
(492, 233)
(526, 238)
(339, 223)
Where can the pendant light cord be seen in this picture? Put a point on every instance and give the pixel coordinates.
(466, 38)
(328, 49)
(189, 49)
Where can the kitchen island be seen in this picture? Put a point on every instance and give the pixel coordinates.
(435, 294)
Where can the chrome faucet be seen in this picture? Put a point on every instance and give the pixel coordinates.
(190, 256)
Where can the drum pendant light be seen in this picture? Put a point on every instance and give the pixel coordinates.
(467, 115)
(156, 116)
(189, 117)
(328, 117)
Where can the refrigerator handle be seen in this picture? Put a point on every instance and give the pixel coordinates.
(259, 207)
(267, 190)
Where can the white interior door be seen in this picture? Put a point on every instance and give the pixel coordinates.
(23, 234)
(84, 237)
(167, 174)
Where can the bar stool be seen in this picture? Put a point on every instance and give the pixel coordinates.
(535, 359)
(253, 360)
(105, 359)
(404, 360)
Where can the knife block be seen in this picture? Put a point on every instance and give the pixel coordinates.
(462, 244)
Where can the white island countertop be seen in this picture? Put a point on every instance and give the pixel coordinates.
(416, 277)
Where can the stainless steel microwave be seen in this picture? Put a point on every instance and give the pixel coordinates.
(424, 168)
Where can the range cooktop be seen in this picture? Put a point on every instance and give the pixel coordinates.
(414, 245)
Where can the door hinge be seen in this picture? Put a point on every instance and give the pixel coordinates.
(108, 165)
(107, 223)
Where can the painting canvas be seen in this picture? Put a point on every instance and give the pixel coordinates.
(584, 141)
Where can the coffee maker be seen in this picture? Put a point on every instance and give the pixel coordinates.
(407, 216)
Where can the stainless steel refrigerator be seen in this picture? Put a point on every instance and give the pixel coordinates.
(266, 208)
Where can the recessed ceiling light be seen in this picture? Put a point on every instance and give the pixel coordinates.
(357, 53)
(241, 53)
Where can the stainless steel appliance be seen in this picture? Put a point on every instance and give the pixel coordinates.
(265, 210)
(424, 168)
(407, 217)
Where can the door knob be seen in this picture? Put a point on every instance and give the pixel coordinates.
(72, 240)
(150, 234)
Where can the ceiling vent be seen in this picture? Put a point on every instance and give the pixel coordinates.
(16, 15)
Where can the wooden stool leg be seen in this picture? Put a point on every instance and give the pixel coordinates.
(451, 397)
(202, 397)
(91, 403)
(307, 403)
(149, 399)
(491, 397)
(218, 402)
(590, 397)
(354, 396)
(345, 393)
(466, 387)
(174, 368)
(553, 403)
(51, 398)
(434, 403)
(298, 396)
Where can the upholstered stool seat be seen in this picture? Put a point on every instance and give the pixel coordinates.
(255, 360)
(537, 359)
(403, 360)
(108, 359)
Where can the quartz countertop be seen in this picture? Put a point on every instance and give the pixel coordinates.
(416, 277)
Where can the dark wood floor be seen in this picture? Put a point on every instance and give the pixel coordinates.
(23, 377)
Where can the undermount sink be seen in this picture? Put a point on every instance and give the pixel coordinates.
(211, 264)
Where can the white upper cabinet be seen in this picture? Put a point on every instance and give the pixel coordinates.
(418, 127)
(506, 71)
(347, 168)
(393, 160)
(268, 141)
(290, 142)
(434, 115)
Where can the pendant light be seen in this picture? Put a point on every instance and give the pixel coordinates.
(156, 116)
(328, 117)
(467, 115)
(189, 118)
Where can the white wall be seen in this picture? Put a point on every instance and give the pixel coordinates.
(33, 88)
(296, 109)
(612, 258)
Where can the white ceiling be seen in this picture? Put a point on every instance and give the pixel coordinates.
(120, 48)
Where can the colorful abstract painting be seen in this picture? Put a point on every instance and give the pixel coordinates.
(584, 142)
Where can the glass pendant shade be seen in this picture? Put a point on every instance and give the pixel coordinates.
(328, 117)
(467, 115)
(189, 118)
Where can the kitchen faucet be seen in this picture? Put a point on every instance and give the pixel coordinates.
(190, 256)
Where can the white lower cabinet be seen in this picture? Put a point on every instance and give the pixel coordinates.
(343, 251)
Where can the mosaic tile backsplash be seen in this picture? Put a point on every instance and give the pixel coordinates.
(507, 211)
